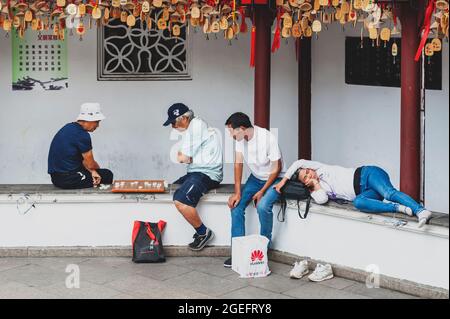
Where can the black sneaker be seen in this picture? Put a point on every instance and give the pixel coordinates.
(200, 241)
(227, 263)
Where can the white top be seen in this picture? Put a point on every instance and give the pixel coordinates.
(203, 144)
(335, 181)
(259, 152)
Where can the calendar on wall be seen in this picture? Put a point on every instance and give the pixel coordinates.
(39, 62)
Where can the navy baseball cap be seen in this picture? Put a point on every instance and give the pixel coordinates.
(175, 111)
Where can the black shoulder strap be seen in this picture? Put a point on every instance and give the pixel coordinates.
(308, 204)
(282, 212)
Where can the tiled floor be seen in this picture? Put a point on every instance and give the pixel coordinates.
(179, 277)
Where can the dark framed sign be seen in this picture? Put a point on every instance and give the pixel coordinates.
(369, 64)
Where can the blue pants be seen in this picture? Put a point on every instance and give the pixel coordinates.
(193, 186)
(264, 208)
(376, 186)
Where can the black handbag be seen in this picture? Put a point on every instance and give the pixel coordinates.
(294, 190)
(147, 242)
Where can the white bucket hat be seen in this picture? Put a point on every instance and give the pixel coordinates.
(90, 112)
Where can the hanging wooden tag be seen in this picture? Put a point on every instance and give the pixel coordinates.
(385, 34)
(123, 16)
(162, 24)
(324, 3)
(166, 14)
(71, 9)
(176, 30)
(345, 7)
(287, 21)
(145, 7)
(316, 26)
(195, 12)
(96, 13)
(61, 3)
(157, 3)
(230, 33)
(149, 22)
(338, 14)
(429, 50)
(115, 3)
(373, 33)
(7, 25)
(81, 9)
(34, 24)
(304, 24)
(357, 4)
(285, 32)
(442, 5)
(436, 44)
(28, 16)
(223, 23)
(131, 21)
(206, 28)
(16, 22)
(316, 6)
(335, 3)
(296, 30)
(215, 27)
(106, 14)
(308, 32)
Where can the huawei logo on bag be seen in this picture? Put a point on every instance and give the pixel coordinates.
(257, 255)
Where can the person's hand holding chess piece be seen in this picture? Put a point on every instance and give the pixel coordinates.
(96, 178)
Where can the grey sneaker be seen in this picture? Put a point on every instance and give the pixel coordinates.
(424, 216)
(200, 241)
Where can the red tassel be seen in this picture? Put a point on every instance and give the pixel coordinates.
(276, 38)
(252, 49)
(425, 28)
(244, 27)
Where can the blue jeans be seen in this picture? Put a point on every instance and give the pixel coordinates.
(376, 186)
(264, 208)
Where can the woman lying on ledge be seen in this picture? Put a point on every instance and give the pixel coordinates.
(365, 186)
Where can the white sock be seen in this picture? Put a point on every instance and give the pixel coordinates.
(405, 210)
(423, 216)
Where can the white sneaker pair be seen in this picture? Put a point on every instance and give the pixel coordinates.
(321, 273)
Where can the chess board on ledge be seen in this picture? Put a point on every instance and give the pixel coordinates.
(138, 186)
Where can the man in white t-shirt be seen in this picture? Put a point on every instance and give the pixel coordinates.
(259, 148)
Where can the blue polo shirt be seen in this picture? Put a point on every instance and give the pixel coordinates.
(67, 146)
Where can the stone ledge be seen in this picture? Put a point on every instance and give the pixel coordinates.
(439, 219)
(404, 286)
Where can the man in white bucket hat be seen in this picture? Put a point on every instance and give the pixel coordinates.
(71, 163)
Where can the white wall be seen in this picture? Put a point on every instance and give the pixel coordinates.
(351, 125)
(132, 141)
(355, 125)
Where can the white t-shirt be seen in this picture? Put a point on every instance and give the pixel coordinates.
(335, 181)
(259, 152)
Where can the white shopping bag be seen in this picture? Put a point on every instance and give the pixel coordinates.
(249, 256)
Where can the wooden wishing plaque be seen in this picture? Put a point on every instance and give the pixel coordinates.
(138, 186)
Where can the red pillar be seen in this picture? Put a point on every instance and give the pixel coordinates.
(304, 98)
(263, 23)
(410, 103)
